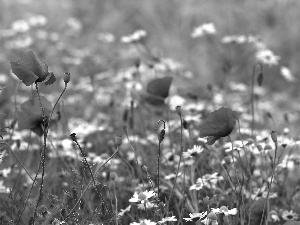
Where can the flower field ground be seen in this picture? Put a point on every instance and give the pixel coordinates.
(149, 112)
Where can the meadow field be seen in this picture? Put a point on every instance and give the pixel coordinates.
(145, 112)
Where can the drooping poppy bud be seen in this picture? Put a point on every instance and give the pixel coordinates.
(274, 136)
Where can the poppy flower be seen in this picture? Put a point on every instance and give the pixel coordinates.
(30, 115)
(30, 69)
(217, 124)
(157, 91)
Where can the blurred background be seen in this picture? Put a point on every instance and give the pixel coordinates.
(84, 37)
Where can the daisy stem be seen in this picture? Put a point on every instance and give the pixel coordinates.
(180, 158)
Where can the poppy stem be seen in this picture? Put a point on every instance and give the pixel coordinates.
(43, 153)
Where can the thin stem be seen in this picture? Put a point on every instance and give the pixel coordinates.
(180, 158)
(90, 182)
(91, 173)
(116, 200)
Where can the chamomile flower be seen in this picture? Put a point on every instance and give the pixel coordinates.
(208, 180)
(225, 211)
(142, 197)
(168, 219)
(193, 151)
(204, 29)
(267, 57)
(144, 222)
(196, 216)
(289, 215)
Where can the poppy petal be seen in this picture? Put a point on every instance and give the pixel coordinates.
(24, 74)
(219, 123)
(160, 87)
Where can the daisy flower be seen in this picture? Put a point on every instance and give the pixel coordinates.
(208, 180)
(267, 57)
(289, 215)
(196, 216)
(168, 219)
(146, 205)
(144, 222)
(193, 151)
(204, 29)
(142, 197)
(224, 210)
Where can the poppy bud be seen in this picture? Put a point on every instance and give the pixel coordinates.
(212, 216)
(73, 137)
(206, 200)
(268, 147)
(113, 175)
(178, 110)
(259, 147)
(118, 141)
(227, 159)
(274, 136)
(67, 77)
(161, 135)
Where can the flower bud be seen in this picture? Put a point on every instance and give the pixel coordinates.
(67, 77)
(212, 216)
(227, 160)
(73, 137)
(113, 175)
(274, 136)
(178, 110)
(118, 141)
(206, 200)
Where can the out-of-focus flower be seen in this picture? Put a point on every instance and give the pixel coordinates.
(289, 215)
(287, 74)
(20, 26)
(267, 57)
(137, 36)
(204, 29)
(167, 219)
(106, 37)
(22, 42)
(30, 115)
(208, 180)
(144, 222)
(238, 39)
(37, 21)
(74, 25)
(193, 151)
(273, 216)
(196, 216)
